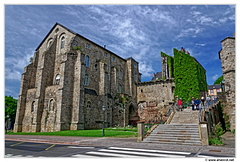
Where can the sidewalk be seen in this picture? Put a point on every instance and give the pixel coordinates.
(122, 142)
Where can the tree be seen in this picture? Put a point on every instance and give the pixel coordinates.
(31, 60)
(219, 80)
(10, 107)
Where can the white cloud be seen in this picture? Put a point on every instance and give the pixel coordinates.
(215, 77)
(200, 44)
(205, 20)
(223, 20)
(14, 66)
(190, 32)
(146, 69)
(12, 74)
(196, 13)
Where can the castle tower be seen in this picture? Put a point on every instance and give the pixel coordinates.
(227, 56)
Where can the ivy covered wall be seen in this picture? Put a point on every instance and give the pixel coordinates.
(189, 75)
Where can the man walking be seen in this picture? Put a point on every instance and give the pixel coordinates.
(208, 99)
(197, 102)
(192, 104)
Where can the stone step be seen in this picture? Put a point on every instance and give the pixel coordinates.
(174, 142)
(186, 134)
(174, 138)
(177, 127)
(175, 132)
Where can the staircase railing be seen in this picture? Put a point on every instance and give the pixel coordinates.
(170, 113)
(203, 107)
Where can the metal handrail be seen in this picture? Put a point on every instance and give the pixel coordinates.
(203, 107)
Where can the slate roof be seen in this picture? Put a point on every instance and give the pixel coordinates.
(216, 86)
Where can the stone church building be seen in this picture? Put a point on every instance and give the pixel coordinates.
(73, 83)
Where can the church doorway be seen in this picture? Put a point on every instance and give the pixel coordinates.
(133, 116)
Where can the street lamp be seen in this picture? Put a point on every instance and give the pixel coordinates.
(223, 86)
(103, 108)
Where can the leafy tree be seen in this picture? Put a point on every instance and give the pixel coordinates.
(10, 107)
(219, 80)
(31, 60)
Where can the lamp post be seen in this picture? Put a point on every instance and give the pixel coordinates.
(223, 86)
(103, 108)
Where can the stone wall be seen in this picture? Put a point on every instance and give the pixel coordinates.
(154, 99)
(227, 56)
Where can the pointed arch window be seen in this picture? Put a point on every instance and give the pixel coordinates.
(32, 106)
(62, 42)
(57, 79)
(86, 80)
(87, 61)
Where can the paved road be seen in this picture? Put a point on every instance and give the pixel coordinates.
(34, 149)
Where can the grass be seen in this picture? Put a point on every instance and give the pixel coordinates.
(109, 132)
(215, 141)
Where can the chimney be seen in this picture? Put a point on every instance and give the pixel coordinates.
(104, 46)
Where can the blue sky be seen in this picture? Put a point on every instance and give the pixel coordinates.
(138, 31)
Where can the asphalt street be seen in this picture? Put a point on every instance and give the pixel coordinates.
(34, 149)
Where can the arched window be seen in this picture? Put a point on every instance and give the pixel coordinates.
(86, 80)
(57, 79)
(119, 88)
(50, 41)
(88, 105)
(87, 61)
(62, 42)
(51, 105)
(120, 74)
(32, 106)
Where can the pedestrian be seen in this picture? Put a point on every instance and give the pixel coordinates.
(202, 103)
(208, 99)
(192, 104)
(180, 104)
(197, 102)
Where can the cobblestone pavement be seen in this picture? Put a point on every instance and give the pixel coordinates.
(123, 142)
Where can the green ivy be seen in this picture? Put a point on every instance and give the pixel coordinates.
(189, 75)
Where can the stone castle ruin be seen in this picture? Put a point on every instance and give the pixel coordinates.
(182, 76)
(73, 83)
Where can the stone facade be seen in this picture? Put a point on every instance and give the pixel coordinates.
(227, 56)
(154, 99)
(69, 82)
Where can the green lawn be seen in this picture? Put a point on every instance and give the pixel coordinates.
(109, 132)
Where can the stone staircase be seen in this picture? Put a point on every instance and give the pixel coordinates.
(183, 129)
(187, 116)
